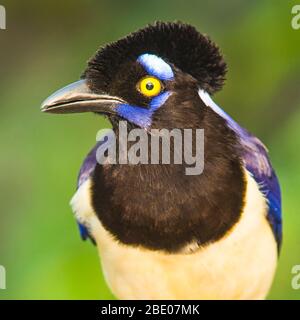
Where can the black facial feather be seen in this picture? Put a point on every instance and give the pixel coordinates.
(125, 81)
(177, 43)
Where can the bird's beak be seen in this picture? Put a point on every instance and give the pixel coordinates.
(77, 97)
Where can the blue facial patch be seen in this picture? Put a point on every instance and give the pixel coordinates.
(142, 116)
(156, 66)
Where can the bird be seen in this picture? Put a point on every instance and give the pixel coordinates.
(160, 233)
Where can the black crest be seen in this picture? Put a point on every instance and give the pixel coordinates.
(178, 43)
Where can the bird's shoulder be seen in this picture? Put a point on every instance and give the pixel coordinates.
(256, 160)
(84, 177)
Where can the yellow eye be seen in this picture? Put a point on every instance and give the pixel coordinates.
(150, 86)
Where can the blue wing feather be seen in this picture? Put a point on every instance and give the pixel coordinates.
(83, 231)
(85, 172)
(256, 161)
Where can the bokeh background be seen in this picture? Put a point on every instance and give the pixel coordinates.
(46, 46)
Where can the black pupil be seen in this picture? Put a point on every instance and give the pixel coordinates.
(149, 86)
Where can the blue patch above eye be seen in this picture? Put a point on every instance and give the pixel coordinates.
(156, 66)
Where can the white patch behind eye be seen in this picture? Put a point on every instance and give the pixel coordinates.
(208, 101)
(156, 66)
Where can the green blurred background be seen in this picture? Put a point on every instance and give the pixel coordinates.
(46, 46)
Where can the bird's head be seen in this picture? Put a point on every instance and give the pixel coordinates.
(150, 78)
